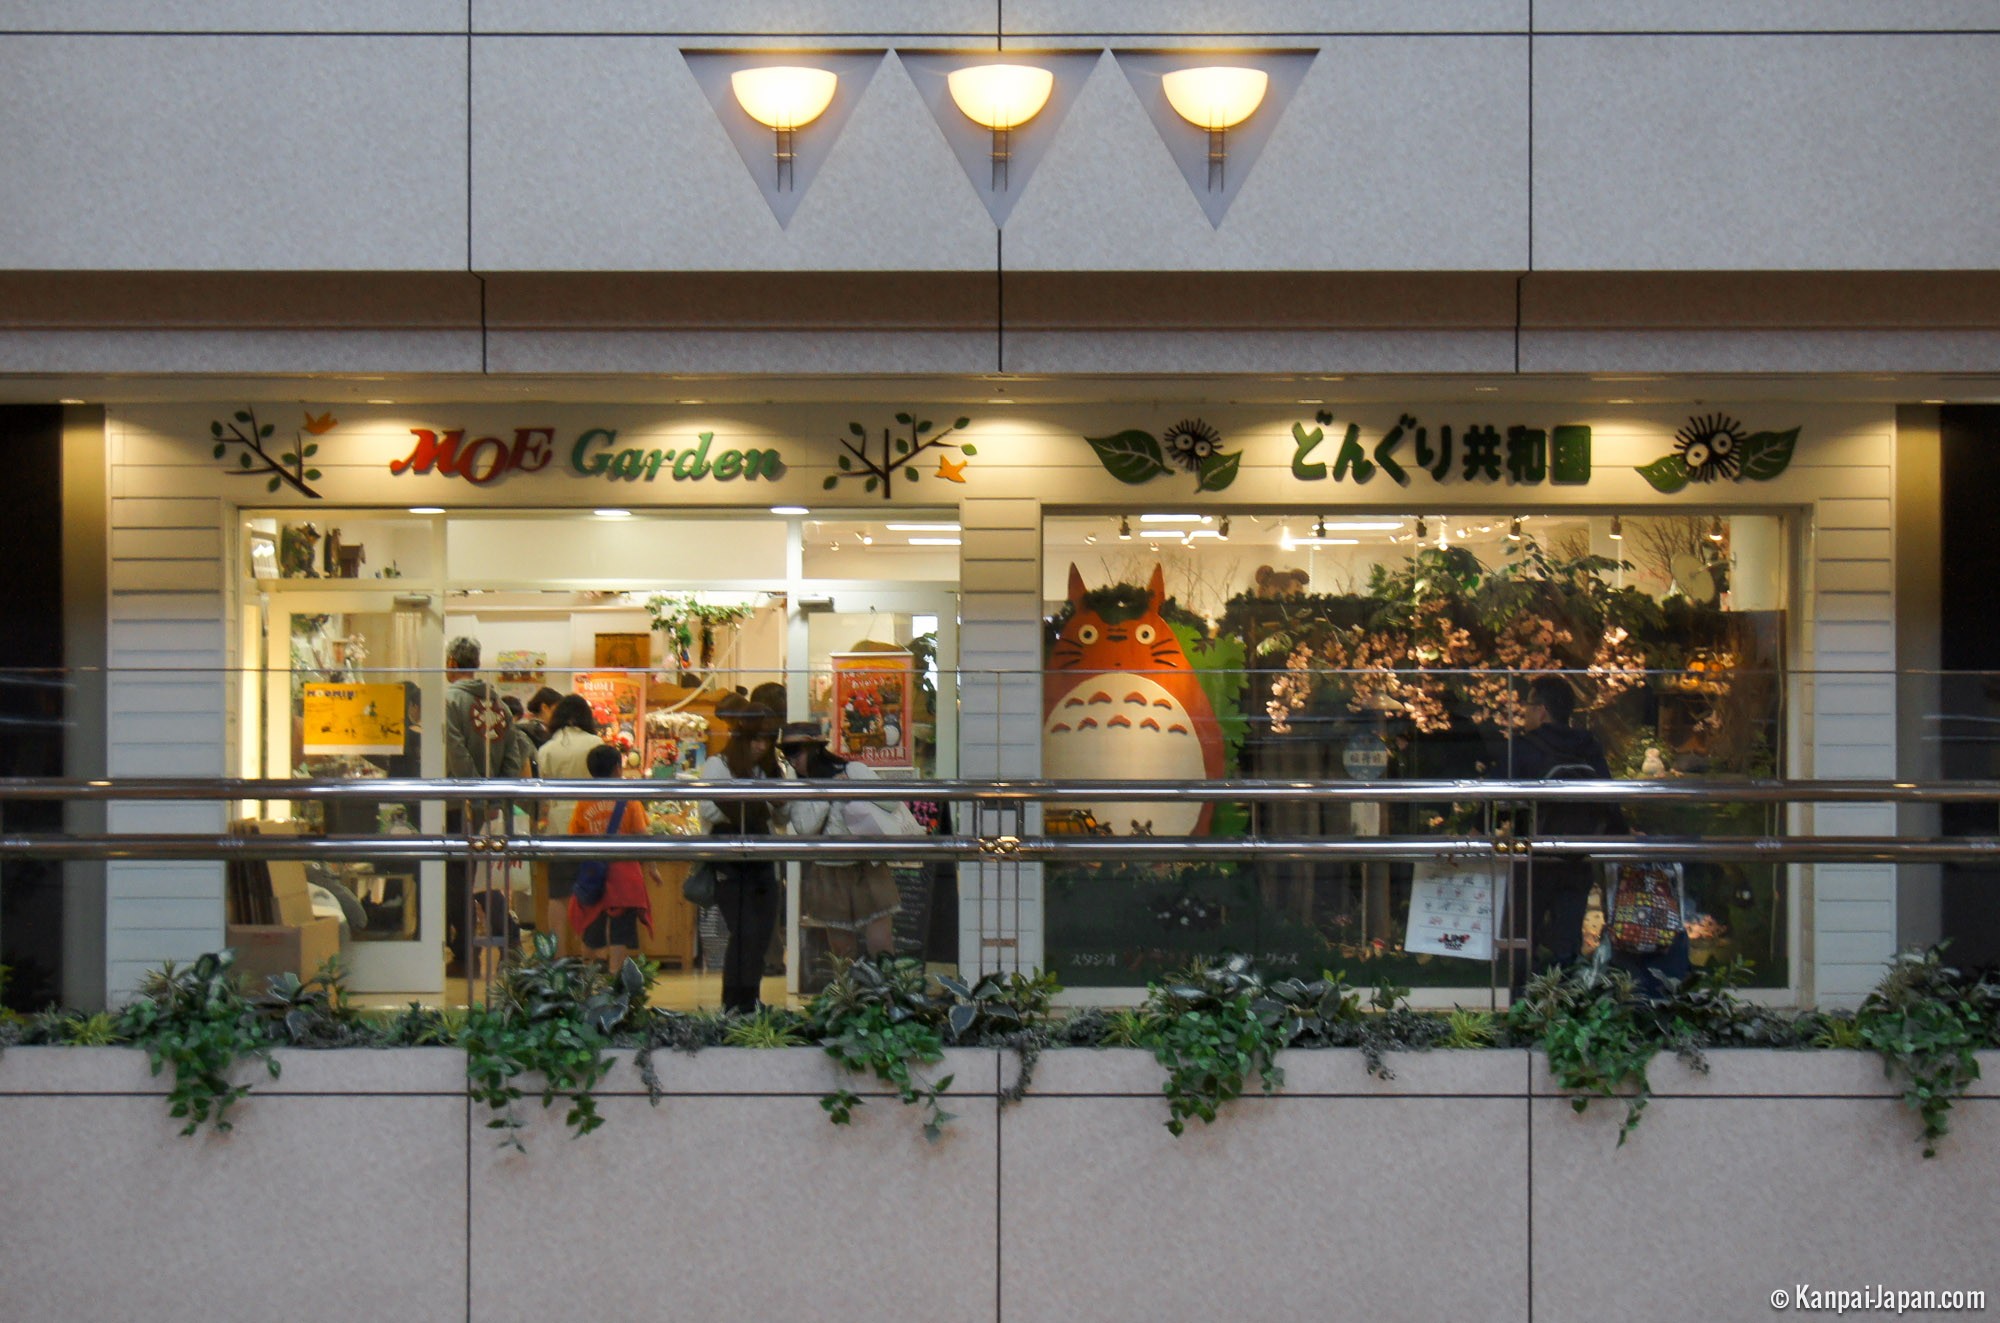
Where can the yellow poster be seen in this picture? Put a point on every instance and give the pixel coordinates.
(354, 718)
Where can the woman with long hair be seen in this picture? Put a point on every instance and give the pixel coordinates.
(565, 756)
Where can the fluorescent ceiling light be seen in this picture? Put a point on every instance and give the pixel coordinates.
(1363, 525)
(789, 510)
(426, 509)
(612, 514)
(1173, 519)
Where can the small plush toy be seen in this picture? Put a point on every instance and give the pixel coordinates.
(1281, 583)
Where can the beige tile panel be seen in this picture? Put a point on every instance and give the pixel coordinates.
(1712, 1205)
(737, 1208)
(1273, 1208)
(310, 1207)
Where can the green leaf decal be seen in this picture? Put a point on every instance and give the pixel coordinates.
(963, 422)
(1218, 471)
(1668, 473)
(846, 466)
(218, 450)
(243, 461)
(1131, 456)
(968, 448)
(242, 416)
(923, 427)
(312, 450)
(266, 430)
(857, 429)
(1767, 454)
(215, 429)
(868, 486)
(831, 483)
(271, 486)
(903, 418)
(312, 475)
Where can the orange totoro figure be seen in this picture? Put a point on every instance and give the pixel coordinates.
(1121, 702)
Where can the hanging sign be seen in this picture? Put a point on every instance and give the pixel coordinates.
(353, 718)
(871, 707)
(1454, 910)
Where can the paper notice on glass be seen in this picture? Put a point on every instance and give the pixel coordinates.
(1455, 908)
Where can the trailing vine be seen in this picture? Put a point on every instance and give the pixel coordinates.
(555, 1016)
(876, 1017)
(197, 1021)
(1927, 1019)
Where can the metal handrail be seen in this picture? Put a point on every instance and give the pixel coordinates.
(1005, 791)
(1013, 849)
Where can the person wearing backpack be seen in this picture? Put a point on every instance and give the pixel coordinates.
(608, 899)
(1548, 748)
(854, 903)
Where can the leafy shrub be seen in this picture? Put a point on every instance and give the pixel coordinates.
(197, 1021)
(1926, 1019)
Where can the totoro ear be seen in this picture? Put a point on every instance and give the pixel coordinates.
(1075, 585)
(1158, 588)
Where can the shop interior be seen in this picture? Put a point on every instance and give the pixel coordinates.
(1364, 645)
(654, 618)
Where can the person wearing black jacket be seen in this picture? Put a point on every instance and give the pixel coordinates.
(1548, 748)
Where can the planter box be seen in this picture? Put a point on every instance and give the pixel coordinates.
(1454, 1189)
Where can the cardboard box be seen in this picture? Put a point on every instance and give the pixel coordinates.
(289, 891)
(263, 950)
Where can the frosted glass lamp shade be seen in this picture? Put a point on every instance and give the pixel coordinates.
(1001, 96)
(1215, 97)
(783, 96)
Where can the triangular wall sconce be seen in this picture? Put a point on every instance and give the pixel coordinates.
(784, 122)
(1213, 147)
(1002, 148)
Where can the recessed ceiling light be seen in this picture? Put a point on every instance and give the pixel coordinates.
(936, 541)
(690, 401)
(1933, 401)
(381, 401)
(69, 401)
(426, 509)
(999, 401)
(612, 514)
(1618, 401)
(789, 510)
(1309, 401)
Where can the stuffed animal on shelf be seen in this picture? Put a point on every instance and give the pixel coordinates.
(1273, 583)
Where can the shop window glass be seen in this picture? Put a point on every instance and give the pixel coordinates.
(1368, 646)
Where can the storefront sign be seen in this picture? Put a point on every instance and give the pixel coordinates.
(1708, 448)
(353, 719)
(594, 454)
(871, 707)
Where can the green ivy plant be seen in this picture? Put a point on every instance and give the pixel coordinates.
(314, 1012)
(877, 1017)
(1600, 1034)
(196, 1020)
(1215, 1027)
(555, 1016)
(1927, 1020)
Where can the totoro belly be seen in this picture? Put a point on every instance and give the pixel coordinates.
(1119, 726)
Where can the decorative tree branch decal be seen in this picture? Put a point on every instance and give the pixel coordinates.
(897, 452)
(254, 461)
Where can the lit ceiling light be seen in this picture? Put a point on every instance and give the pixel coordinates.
(1617, 528)
(381, 401)
(1363, 525)
(1285, 538)
(426, 509)
(784, 98)
(1514, 530)
(1124, 529)
(690, 401)
(936, 541)
(1216, 98)
(867, 539)
(69, 401)
(1090, 539)
(789, 510)
(1715, 529)
(922, 528)
(1171, 519)
(1000, 97)
(612, 514)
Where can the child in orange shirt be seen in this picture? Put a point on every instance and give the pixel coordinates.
(609, 924)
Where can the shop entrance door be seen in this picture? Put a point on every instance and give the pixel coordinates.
(352, 692)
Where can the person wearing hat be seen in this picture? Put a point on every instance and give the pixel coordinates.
(747, 891)
(853, 903)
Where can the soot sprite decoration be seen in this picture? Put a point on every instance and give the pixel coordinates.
(1136, 455)
(1190, 442)
(1713, 447)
